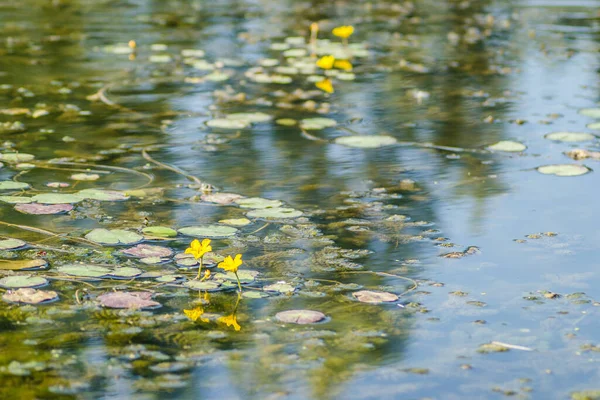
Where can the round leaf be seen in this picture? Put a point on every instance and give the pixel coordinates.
(317, 123)
(56, 198)
(368, 296)
(128, 300)
(366, 141)
(224, 123)
(508, 146)
(280, 287)
(250, 117)
(15, 199)
(590, 112)
(274, 213)
(258, 202)
(84, 270)
(159, 231)
(221, 197)
(22, 281)
(113, 236)
(126, 272)
(11, 185)
(570, 136)
(301, 317)
(29, 296)
(102, 195)
(208, 231)
(43, 209)
(563, 169)
(202, 285)
(11, 244)
(148, 250)
(16, 157)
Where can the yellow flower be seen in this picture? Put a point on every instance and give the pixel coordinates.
(230, 320)
(206, 275)
(325, 62)
(230, 264)
(195, 313)
(198, 249)
(325, 85)
(343, 31)
(343, 64)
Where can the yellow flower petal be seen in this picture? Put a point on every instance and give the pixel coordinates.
(230, 320)
(195, 313)
(343, 31)
(326, 62)
(198, 249)
(230, 264)
(343, 64)
(325, 85)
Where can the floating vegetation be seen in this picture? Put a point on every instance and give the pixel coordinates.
(570, 137)
(366, 141)
(508, 146)
(563, 169)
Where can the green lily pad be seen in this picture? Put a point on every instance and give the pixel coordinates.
(301, 317)
(286, 122)
(56, 198)
(570, 136)
(254, 295)
(590, 112)
(17, 265)
(508, 146)
(224, 123)
(563, 169)
(250, 117)
(168, 278)
(280, 287)
(202, 285)
(16, 157)
(594, 126)
(274, 213)
(11, 244)
(366, 141)
(22, 281)
(113, 236)
(257, 202)
(317, 123)
(208, 231)
(84, 270)
(159, 231)
(245, 275)
(11, 185)
(15, 199)
(235, 221)
(102, 195)
(125, 272)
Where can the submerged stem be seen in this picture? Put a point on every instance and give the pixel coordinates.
(238, 280)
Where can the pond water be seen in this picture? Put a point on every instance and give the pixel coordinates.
(428, 176)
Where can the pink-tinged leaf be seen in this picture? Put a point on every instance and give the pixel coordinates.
(147, 250)
(43, 209)
(128, 300)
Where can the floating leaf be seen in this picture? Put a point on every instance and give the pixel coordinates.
(590, 112)
(85, 177)
(29, 296)
(113, 236)
(250, 117)
(245, 275)
(274, 213)
(202, 285)
(366, 141)
(508, 146)
(563, 169)
(16, 157)
(368, 296)
(208, 231)
(221, 198)
(56, 198)
(224, 123)
(148, 250)
(570, 136)
(43, 209)
(235, 221)
(594, 126)
(258, 202)
(317, 123)
(84, 270)
(254, 295)
(126, 272)
(11, 244)
(58, 184)
(301, 317)
(128, 300)
(286, 122)
(281, 287)
(159, 231)
(15, 199)
(102, 195)
(16, 265)
(11, 185)
(22, 281)
(152, 260)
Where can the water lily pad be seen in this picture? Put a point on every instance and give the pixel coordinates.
(286, 122)
(280, 287)
(594, 126)
(235, 221)
(152, 260)
(317, 123)
(128, 300)
(11, 244)
(148, 250)
(508, 146)
(16, 199)
(221, 197)
(126, 272)
(43, 209)
(58, 184)
(113, 236)
(159, 231)
(224, 123)
(274, 213)
(202, 285)
(368, 296)
(208, 231)
(84, 270)
(590, 112)
(187, 262)
(245, 275)
(563, 169)
(258, 202)
(254, 295)
(85, 177)
(22, 281)
(17, 265)
(11, 185)
(56, 198)
(16, 157)
(250, 117)
(102, 195)
(29, 296)
(366, 141)
(301, 317)
(570, 136)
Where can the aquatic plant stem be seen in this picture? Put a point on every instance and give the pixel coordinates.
(238, 281)
(200, 267)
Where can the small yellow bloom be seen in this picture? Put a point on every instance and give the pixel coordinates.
(206, 275)
(230, 320)
(325, 85)
(195, 313)
(326, 62)
(231, 264)
(198, 249)
(343, 31)
(343, 64)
